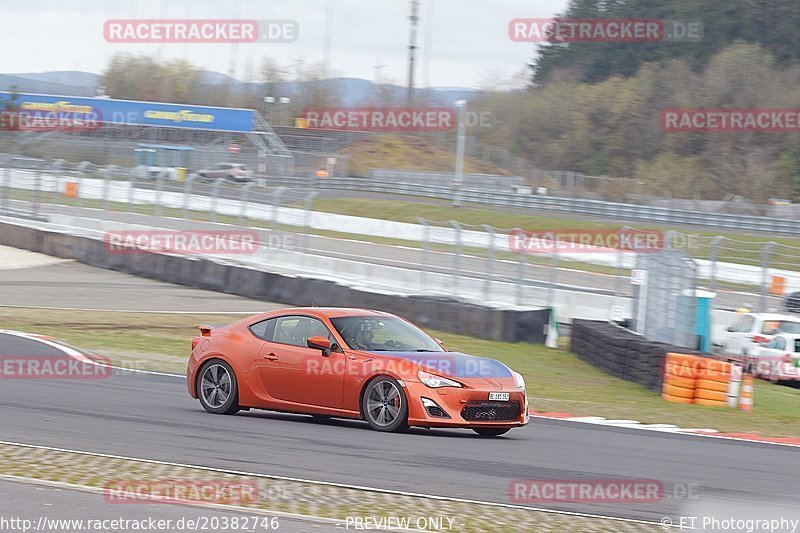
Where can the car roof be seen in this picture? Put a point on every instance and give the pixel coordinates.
(329, 312)
(776, 316)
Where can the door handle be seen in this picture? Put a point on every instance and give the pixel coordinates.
(270, 356)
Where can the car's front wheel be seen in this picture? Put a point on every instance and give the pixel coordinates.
(490, 432)
(217, 388)
(384, 405)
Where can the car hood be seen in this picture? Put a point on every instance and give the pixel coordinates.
(453, 364)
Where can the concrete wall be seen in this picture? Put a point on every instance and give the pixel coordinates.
(513, 325)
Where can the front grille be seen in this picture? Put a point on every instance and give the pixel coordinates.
(490, 411)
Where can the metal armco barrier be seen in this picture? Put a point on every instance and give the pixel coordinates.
(598, 208)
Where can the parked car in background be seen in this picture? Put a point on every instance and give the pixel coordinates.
(778, 360)
(754, 329)
(793, 302)
(231, 172)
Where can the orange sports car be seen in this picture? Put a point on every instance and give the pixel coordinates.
(352, 363)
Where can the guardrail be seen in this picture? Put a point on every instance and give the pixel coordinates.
(598, 208)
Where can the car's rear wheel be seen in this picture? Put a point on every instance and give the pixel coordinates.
(217, 388)
(384, 405)
(490, 432)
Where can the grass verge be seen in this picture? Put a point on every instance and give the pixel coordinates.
(556, 379)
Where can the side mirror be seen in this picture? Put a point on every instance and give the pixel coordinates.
(320, 343)
(729, 329)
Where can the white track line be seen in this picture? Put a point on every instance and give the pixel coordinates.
(660, 428)
(327, 483)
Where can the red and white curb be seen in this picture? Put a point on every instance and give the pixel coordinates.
(76, 354)
(566, 417)
(668, 428)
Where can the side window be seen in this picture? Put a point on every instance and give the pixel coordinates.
(746, 324)
(737, 326)
(264, 329)
(296, 330)
(780, 343)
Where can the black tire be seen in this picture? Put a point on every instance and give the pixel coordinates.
(384, 405)
(223, 398)
(491, 432)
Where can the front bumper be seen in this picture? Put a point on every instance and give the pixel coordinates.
(467, 407)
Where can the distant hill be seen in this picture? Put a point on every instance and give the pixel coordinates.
(352, 91)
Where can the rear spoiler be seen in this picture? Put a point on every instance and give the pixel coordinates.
(205, 331)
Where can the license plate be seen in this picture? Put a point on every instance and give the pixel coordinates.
(498, 396)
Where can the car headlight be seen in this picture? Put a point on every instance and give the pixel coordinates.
(433, 381)
(519, 379)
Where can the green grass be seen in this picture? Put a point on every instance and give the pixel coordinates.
(557, 380)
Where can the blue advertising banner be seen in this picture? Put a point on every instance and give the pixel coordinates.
(136, 113)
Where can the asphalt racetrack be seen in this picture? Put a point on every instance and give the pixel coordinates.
(152, 416)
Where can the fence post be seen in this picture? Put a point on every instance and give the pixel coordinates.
(520, 268)
(187, 194)
(243, 195)
(157, 202)
(669, 238)
(131, 193)
(457, 256)
(552, 281)
(6, 186)
(80, 179)
(309, 208)
(712, 256)
(425, 240)
(37, 189)
(276, 201)
(107, 187)
(765, 274)
(489, 261)
(56, 168)
(215, 198)
(618, 273)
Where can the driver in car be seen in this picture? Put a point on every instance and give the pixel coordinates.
(364, 336)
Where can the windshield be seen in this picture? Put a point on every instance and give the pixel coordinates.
(383, 334)
(771, 327)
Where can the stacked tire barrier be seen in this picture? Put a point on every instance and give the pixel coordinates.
(697, 380)
(622, 353)
(680, 375)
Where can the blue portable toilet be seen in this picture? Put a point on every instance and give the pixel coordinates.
(704, 303)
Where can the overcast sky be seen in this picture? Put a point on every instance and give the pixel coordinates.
(462, 42)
